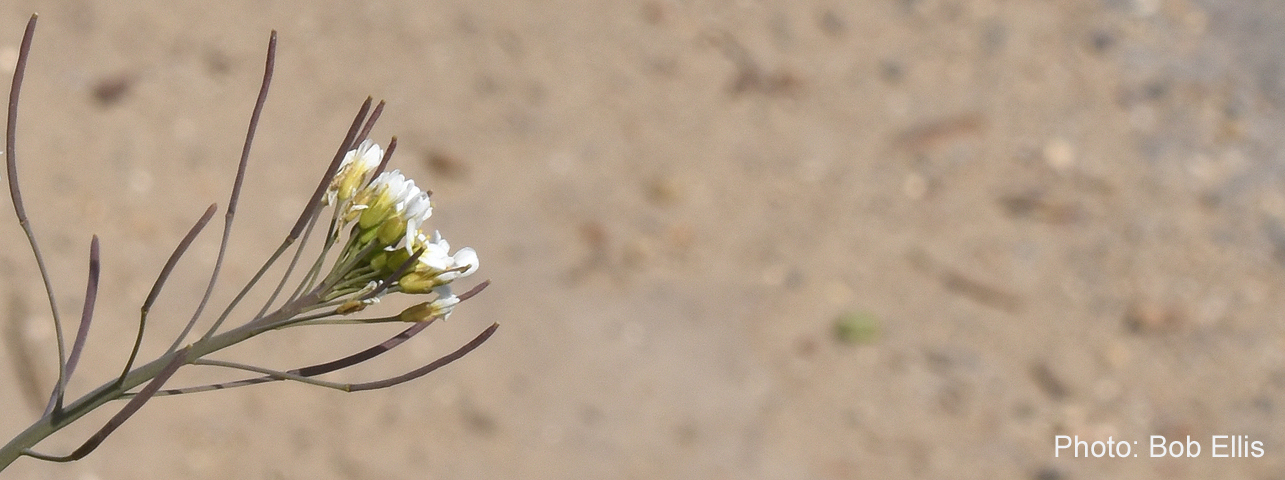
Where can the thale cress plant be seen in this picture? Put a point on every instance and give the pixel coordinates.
(375, 244)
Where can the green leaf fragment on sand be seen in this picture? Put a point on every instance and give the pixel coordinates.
(855, 328)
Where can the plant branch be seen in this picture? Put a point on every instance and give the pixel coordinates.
(86, 317)
(11, 167)
(269, 65)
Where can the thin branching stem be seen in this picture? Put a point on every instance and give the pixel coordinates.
(269, 65)
(309, 211)
(248, 286)
(314, 203)
(160, 283)
(324, 304)
(11, 167)
(370, 125)
(48, 424)
(331, 366)
(276, 374)
(356, 279)
(313, 271)
(308, 318)
(86, 317)
(474, 291)
(344, 266)
(358, 387)
(119, 419)
(426, 369)
(318, 369)
(388, 156)
(285, 276)
(322, 320)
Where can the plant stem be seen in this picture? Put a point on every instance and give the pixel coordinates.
(53, 421)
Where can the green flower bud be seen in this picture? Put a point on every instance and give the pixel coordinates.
(392, 230)
(417, 313)
(418, 282)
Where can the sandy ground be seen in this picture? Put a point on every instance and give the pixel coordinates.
(728, 240)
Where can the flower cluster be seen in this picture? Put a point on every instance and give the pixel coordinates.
(390, 211)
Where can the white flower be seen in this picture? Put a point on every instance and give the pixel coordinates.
(418, 209)
(354, 171)
(467, 258)
(437, 259)
(396, 206)
(445, 301)
(436, 266)
(436, 256)
(389, 190)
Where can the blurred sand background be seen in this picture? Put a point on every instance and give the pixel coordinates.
(1036, 217)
